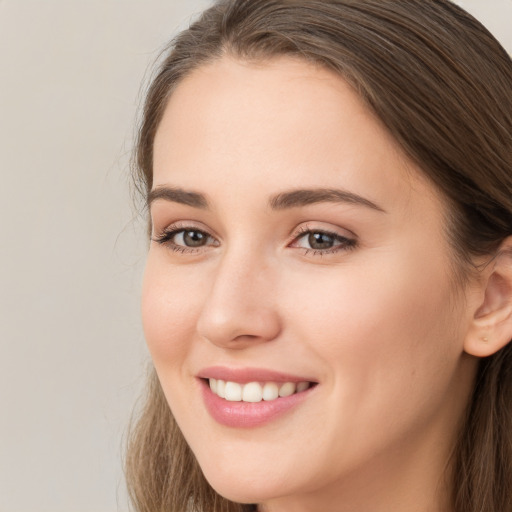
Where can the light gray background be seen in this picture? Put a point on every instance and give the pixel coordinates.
(72, 357)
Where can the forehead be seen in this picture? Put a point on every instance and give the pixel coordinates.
(275, 124)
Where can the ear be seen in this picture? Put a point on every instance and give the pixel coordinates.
(491, 326)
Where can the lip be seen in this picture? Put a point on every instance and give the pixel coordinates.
(247, 414)
(246, 375)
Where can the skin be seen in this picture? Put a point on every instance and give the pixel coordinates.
(381, 326)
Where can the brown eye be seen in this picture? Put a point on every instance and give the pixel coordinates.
(183, 240)
(323, 242)
(191, 238)
(319, 241)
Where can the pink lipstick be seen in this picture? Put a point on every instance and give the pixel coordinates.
(250, 397)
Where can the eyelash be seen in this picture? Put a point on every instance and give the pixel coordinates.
(344, 244)
(165, 238)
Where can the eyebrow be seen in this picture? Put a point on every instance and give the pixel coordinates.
(304, 197)
(178, 195)
(282, 201)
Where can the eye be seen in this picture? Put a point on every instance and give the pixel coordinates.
(184, 239)
(190, 238)
(322, 242)
(319, 241)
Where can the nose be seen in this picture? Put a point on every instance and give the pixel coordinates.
(240, 308)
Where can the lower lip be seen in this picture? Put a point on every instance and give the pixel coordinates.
(249, 414)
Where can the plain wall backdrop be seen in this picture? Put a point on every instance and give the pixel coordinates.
(72, 355)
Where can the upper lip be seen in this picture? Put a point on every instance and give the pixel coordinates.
(245, 375)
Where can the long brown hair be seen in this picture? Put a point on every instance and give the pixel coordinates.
(441, 84)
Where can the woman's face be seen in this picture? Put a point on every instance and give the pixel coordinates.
(294, 246)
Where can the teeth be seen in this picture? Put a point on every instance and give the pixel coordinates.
(302, 386)
(233, 392)
(221, 387)
(270, 391)
(287, 389)
(255, 391)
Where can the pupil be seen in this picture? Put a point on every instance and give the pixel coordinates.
(194, 238)
(320, 241)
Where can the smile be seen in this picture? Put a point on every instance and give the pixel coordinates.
(252, 397)
(255, 391)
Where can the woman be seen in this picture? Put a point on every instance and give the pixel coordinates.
(328, 291)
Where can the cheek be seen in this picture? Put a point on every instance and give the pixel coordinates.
(170, 305)
(358, 305)
(385, 344)
(381, 334)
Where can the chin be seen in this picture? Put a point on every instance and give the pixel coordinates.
(242, 492)
(246, 488)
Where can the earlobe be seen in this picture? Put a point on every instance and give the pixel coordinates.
(491, 325)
